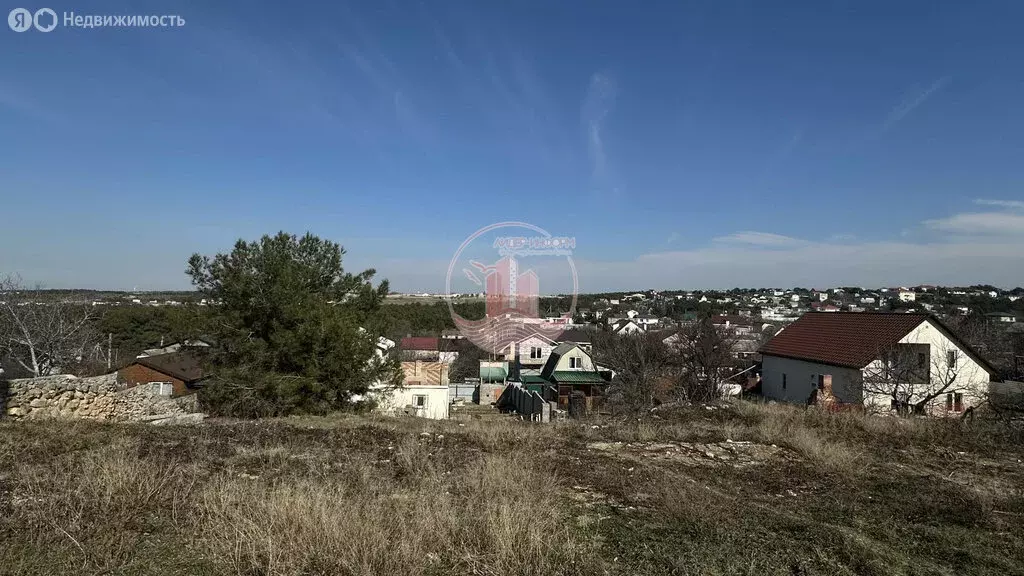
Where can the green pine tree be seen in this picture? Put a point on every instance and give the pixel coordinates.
(293, 332)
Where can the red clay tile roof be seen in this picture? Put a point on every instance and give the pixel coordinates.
(420, 343)
(850, 339)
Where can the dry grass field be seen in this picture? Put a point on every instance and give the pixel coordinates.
(738, 489)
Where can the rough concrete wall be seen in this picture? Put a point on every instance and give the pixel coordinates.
(97, 398)
(489, 393)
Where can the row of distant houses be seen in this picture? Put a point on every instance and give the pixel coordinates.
(554, 368)
(840, 360)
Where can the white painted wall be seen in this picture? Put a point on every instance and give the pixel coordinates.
(629, 328)
(395, 401)
(533, 342)
(971, 379)
(801, 379)
(847, 383)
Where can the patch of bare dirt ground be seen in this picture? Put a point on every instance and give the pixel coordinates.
(739, 489)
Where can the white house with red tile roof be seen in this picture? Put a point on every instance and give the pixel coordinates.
(840, 354)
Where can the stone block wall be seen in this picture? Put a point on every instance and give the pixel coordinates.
(96, 398)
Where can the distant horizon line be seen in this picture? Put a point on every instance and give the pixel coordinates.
(423, 294)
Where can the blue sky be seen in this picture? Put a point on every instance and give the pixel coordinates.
(687, 145)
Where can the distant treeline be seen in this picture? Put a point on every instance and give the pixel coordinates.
(134, 328)
(82, 294)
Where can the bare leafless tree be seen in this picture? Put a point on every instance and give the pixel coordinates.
(893, 376)
(913, 376)
(701, 354)
(42, 337)
(686, 366)
(1007, 402)
(639, 360)
(993, 341)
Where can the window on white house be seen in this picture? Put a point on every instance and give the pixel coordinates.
(906, 407)
(951, 359)
(955, 402)
(419, 400)
(575, 362)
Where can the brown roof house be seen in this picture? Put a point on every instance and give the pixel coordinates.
(173, 374)
(876, 360)
(429, 348)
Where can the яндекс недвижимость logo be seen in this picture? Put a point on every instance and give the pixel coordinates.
(46, 20)
(22, 19)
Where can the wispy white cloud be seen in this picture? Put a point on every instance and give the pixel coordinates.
(912, 101)
(409, 119)
(497, 78)
(1012, 204)
(764, 239)
(276, 80)
(842, 238)
(672, 238)
(597, 104)
(998, 223)
(813, 264)
(998, 261)
(975, 248)
(386, 79)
